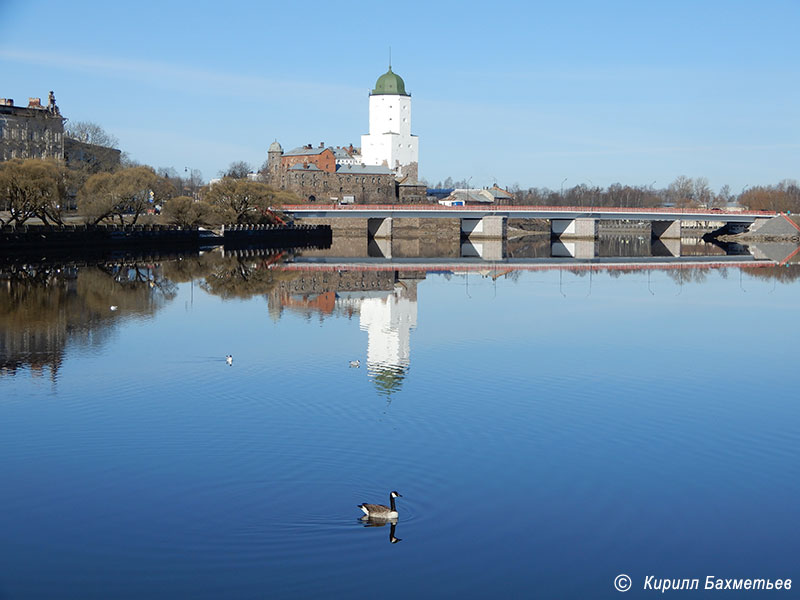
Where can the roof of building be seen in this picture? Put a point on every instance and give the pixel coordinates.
(275, 147)
(390, 83)
(305, 151)
(499, 193)
(304, 167)
(364, 170)
(341, 153)
(482, 196)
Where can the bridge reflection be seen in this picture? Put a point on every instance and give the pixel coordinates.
(626, 252)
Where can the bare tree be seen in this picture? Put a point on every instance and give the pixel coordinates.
(90, 133)
(237, 170)
(681, 191)
(701, 193)
(724, 196)
(782, 197)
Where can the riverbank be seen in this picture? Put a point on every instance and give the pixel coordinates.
(29, 238)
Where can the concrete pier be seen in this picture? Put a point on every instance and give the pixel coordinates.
(487, 249)
(380, 228)
(666, 230)
(574, 228)
(486, 227)
(666, 247)
(573, 248)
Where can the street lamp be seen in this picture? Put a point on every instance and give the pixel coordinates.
(188, 179)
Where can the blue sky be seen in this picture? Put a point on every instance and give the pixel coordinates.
(519, 92)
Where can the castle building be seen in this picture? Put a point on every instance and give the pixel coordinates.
(384, 171)
(389, 142)
(34, 131)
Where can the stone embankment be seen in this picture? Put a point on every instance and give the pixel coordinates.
(81, 237)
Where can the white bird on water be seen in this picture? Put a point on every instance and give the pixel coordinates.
(113, 307)
(355, 364)
(229, 360)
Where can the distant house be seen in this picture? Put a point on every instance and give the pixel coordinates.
(500, 195)
(461, 197)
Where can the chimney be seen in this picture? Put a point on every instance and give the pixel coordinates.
(6, 102)
(34, 103)
(322, 144)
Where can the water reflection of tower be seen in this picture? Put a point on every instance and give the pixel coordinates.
(388, 319)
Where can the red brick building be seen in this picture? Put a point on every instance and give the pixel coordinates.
(322, 157)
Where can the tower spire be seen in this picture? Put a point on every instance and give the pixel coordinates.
(390, 58)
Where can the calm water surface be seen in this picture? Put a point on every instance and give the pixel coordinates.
(548, 430)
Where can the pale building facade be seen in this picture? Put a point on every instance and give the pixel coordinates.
(390, 142)
(33, 131)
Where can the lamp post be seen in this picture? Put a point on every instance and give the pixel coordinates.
(188, 179)
(562, 187)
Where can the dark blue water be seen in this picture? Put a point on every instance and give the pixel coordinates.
(547, 430)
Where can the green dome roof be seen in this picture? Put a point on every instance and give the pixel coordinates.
(390, 83)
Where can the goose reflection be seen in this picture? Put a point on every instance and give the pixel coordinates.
(378, 522)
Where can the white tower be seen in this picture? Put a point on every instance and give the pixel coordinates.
(389, 141)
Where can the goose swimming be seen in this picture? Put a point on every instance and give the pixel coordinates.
(381, 511)
(355, 363)
(229, 360)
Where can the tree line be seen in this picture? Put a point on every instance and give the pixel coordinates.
(683, 192)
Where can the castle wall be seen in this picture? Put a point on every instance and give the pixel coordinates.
(323, 186)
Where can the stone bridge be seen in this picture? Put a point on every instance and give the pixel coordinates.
(565, 221)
